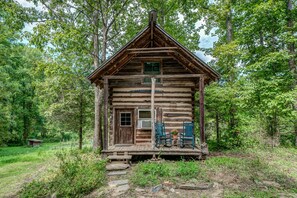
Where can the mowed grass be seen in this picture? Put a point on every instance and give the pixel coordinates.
(19, 165)
(249, 173)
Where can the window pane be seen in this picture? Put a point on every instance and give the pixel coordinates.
(125, 119)
(152, 68)
(144, 114)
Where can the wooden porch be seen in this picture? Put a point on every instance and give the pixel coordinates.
(147, 149)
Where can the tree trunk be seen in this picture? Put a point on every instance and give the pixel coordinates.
(217, 128)
(80, 122)
(229, 33)
(162, 18)
(98, 129)
(291, 49)
(229, 37)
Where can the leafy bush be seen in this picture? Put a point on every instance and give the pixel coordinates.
(78, 174)
(287, 140)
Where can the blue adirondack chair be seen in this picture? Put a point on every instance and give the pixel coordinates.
(187, 135)
(161, 136)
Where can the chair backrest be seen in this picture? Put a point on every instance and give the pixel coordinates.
(160, 128)
(188, 129)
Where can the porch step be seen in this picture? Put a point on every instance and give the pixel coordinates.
(112, 167)
(119, 157)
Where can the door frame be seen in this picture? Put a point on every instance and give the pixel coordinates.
(114, 110)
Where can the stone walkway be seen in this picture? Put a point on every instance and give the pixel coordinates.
(119, 186)
(117, 176)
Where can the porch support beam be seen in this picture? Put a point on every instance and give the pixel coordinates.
(155, 76)
(153, 111)
(201, 109)
(204, 147)
(105, 129)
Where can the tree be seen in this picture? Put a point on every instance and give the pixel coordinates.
(252, 54)
(20, 116)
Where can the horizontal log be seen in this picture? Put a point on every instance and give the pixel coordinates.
(134, 105)
(160, 103)
(148, 99)
(178, 119)
(159, 98)
(156, 76)
(158, 89)
(123, 85)
(152, 52)
(124, 73)
(124, 94)
(176, 114)
(152, 48)
(176, 109)
(153, 57)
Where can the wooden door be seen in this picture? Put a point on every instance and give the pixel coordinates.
(124, 126)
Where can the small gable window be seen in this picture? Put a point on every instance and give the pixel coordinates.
(151, 68)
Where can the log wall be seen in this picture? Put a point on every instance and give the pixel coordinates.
(174, 98)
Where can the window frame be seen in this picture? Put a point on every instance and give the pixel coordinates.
(125, 118)
(160, 70)
(147, 119)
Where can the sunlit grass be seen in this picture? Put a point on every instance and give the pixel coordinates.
(242, 174)
(19, 164)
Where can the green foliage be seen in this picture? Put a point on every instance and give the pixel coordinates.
(150, 173)
(187, 170)
(257, 90)
(78, 174)
(44, 92)
(19, 164)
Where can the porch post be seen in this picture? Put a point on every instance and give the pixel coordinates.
(204, 148)
(105, 131)
(153, 111)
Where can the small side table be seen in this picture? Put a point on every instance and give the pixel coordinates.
(174, 141)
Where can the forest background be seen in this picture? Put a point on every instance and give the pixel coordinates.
(44, 92)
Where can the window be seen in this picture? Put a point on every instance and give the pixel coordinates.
(151, 68)
(144, 118)
(126, 119)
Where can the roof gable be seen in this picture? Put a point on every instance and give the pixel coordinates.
(155, 40)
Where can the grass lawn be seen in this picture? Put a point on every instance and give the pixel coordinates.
(250, 173)
(19, 165)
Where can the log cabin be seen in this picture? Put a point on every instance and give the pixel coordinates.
(152, 78)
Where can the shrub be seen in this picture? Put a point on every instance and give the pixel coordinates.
(78, 174)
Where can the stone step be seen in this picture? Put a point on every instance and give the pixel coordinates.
(115, 173)
(111, 167)
(120, 190)
(119, 157)
(116, 183)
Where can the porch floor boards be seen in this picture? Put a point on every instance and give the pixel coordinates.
(148, 150)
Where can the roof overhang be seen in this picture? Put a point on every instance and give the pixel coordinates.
(141, 44)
